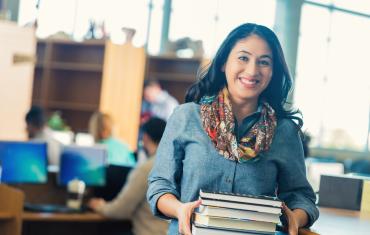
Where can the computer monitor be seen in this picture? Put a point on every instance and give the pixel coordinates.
(23, 162)
(84, 163)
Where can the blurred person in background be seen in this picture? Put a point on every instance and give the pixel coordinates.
(101, 128)
(131, 202)
(37, 130)
(157, 102)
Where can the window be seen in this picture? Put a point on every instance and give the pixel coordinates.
(210, 20)
(72, 18)
(332, 78)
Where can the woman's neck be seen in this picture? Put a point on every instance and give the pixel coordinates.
(243, 109)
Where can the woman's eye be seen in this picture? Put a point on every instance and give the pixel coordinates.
(264, 63)
(243, 58)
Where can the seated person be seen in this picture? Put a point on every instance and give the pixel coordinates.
(101, 126)
(38, 131)
(131, 202)
(158, 102)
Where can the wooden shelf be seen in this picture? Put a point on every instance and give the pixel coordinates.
(174, 59)
(6, 216)
(72, 106)
(174, 74)
(76, 66)
(59, 217)
(71, 42)
(69, 77)
(175, 77)
(84, 67)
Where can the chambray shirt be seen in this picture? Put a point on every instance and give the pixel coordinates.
(187, 161)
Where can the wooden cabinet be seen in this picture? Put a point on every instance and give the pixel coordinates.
(11, 208)
(174, 74)
(68, 77)
(79, 78)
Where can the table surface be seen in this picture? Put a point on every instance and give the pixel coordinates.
(64, 217)
(342, 222)
(331, 221)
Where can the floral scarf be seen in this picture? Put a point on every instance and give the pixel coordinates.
(218, 122)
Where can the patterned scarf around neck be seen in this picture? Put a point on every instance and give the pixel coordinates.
(218, 122)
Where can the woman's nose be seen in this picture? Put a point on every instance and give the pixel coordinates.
(251, 68)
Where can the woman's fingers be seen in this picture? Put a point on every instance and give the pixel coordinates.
(185, 223)
(292, 227)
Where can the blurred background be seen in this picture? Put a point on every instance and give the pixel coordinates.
(326, 43)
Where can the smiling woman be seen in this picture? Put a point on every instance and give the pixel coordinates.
(248, 71)
(234, 135)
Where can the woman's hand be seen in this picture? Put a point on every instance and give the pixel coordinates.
(293, 224)
(96, 203)
(184, 212)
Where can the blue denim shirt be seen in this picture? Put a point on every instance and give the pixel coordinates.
(187, 161)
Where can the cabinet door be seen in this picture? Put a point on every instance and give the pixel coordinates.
(17, 47)
(121, 94)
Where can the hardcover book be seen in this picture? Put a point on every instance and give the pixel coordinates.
(241, 206)
(234, 224)
(251, 199)
(197, 230)
(238, 214)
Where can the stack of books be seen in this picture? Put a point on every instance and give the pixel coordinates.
(236, 214)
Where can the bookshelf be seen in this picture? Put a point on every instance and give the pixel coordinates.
(68, 77)
(174, 74)
(78, 78)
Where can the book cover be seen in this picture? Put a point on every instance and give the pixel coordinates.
(198, 230)
(234, 224)
(340, 191)
(241, 206)
(238, 214)
(252, 199)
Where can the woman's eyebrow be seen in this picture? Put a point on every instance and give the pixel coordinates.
(261, 57)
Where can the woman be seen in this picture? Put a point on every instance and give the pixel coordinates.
(101, 128)
(234, 135)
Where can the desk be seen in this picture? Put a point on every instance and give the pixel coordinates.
(332, 221)
(61, 217)
(60, 223)
(342, 222)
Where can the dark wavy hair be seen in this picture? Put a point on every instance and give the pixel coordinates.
(211, 79)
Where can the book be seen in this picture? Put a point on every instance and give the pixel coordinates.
(241, 206)
(341, 191)
(238, 214)
(197, 230)
(234, 224)
(251, 199)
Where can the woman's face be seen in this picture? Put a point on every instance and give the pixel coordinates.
(248, 69)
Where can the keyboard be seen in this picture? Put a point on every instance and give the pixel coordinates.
(51, 208)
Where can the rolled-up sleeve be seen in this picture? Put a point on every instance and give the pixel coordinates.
(293, 187)
(167, 171)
